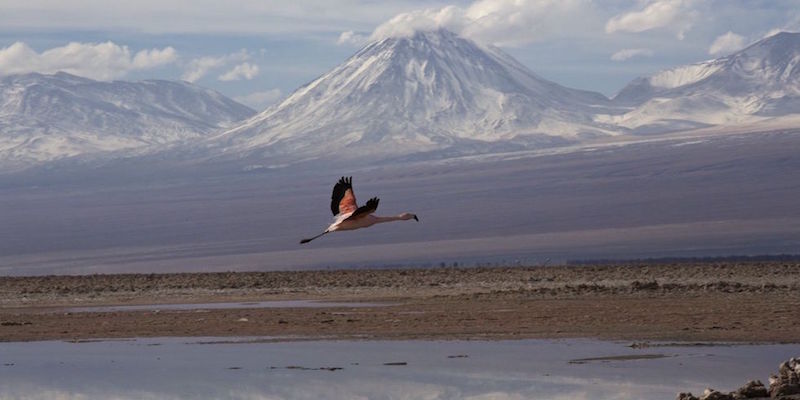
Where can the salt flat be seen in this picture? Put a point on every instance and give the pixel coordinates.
(645, 199)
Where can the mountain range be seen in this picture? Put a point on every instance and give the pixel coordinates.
(49, 117)
(434, 94)
(759, 82)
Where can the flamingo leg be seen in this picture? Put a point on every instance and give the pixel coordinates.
(308, 240)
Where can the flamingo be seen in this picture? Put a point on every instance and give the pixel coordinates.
(348, 215)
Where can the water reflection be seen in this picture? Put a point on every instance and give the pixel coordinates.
(531, 369)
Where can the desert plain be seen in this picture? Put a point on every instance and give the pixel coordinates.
(742, 302)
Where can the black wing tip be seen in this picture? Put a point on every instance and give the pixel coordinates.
(346, 180)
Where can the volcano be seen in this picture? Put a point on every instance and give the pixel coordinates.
(429, 92)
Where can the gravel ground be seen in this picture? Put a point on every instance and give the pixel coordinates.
(752, 302)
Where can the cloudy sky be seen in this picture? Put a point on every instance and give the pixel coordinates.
(260, 50)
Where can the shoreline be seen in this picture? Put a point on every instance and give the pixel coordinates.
(738, 302)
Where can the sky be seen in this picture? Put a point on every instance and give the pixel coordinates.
(258, 51)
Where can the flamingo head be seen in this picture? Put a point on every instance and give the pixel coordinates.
(407, 216)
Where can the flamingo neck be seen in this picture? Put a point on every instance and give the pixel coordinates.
(379, 220)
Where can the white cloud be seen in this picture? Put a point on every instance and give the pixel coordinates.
(772, 32)
(242, 71)
(727, 43)
(793, 25)
(514, 22)
(351, 38)
(626, 54)
(154, 57)
(102, 61)
(260, 100)
(198, 16)
(406, 24)
(501, 22)
(677, 15)
(199, 67)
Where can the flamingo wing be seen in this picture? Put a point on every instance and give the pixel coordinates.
(343, 200)
(369, 208)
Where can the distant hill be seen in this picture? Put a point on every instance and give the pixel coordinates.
(49, 117)
(757, 83)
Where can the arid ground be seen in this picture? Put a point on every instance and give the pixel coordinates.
(737, 302)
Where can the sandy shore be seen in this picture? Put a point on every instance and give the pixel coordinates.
(742, 302)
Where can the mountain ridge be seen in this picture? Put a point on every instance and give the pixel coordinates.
(47, 117)
(433, 95)
(758, 82)
(429, 92)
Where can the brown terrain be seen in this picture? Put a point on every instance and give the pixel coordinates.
(736, 302)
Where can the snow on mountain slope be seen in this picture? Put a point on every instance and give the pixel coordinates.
(430, 95)
(428, 92)
(47, 117)
(754, 84)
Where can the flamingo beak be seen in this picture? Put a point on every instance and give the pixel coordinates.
(415, 218)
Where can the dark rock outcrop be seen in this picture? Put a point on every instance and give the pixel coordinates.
(786, 385)
(711, 394)
(751, 390)
(783, 386)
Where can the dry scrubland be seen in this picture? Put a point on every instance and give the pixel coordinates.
(692, 302)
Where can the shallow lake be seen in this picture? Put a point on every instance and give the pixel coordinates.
(258, 368)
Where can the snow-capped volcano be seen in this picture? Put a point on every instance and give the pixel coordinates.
(759, 82)
(47, 117)
(431, 91)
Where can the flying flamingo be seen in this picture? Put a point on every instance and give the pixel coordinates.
(348, 215)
